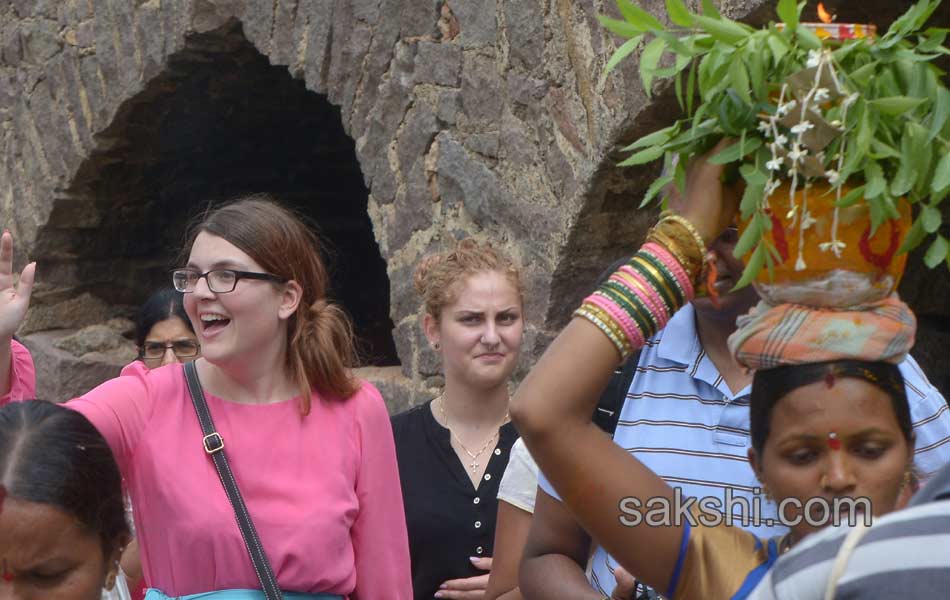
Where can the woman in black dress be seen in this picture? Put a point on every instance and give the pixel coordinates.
(453, 450)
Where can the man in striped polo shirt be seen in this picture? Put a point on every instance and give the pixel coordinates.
(905, 554)
(686, 417)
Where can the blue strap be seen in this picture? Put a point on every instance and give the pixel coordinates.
(757, 574)
(678, 569)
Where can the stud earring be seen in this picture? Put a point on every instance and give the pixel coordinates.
(436, 346)
(767, 493)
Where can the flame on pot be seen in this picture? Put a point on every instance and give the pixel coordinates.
(824, 15)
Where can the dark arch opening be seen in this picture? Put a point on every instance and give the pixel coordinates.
(219, 122)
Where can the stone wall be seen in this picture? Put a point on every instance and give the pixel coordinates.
(463, 117)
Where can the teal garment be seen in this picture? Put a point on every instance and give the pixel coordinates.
(153, 594)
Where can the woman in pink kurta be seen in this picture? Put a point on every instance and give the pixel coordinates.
(319, 476)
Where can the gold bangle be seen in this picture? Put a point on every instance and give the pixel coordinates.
(700, 242)
(674, 247)
(682, 237)
(660, 278)
(599, 319)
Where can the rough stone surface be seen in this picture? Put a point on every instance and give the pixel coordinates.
(118, 120)
(80, 311)
(438, 64)
(96, 338)
(60, 375)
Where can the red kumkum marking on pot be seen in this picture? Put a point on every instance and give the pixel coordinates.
(881, 261)
(778, 235)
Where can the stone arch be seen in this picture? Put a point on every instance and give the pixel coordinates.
(217, 122)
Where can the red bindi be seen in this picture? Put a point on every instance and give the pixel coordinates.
(7, 575)
(830, 380)
(833, 442)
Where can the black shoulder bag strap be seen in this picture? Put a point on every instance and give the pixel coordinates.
(214, 445)
(607, 414)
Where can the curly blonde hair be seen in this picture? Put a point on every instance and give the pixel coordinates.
(437, 275)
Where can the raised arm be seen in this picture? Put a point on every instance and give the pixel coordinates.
(553, 406)
(14, 300)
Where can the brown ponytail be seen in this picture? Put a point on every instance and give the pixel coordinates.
(321, 350)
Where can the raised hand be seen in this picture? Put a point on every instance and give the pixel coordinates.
(707, 203)
(13, 300)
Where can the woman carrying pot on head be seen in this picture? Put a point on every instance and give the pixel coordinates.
(453, 449)
(62, 523)
(835, 429)
(309, 445)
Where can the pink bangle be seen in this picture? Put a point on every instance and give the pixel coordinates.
(627, 325)
(653, 298)
(676, 269)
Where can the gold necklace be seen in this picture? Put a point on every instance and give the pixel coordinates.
(474, 464)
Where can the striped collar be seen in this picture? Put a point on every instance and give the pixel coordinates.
(679, 340)
(679, 343)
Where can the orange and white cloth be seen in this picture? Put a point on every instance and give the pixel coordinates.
(791, 334)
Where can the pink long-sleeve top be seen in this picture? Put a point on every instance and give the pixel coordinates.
(323, 490)
(22, 375)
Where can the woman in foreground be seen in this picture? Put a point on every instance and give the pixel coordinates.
(310, 445)
(62, 523)
(831, 430)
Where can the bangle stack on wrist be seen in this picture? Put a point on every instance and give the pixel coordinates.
(682, 240)
(640, 297)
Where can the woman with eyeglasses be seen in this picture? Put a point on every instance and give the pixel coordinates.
(163, 333)
(309, 444)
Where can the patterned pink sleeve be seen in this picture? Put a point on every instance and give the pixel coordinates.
(380, 541)
(22, 375)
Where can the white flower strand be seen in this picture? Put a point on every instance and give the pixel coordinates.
(803, 225)
(797, 154)
(819, 59)
(775, 164)
(834, 175)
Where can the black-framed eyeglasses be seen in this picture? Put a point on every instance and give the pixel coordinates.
(181, 348)
(220, 281)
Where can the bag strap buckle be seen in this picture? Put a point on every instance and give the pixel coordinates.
(213, 442)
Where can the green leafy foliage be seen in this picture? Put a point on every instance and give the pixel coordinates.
(894, 129)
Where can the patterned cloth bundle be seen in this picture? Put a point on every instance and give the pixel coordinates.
(791, 334)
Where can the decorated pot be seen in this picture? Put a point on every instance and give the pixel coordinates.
(827, 260)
